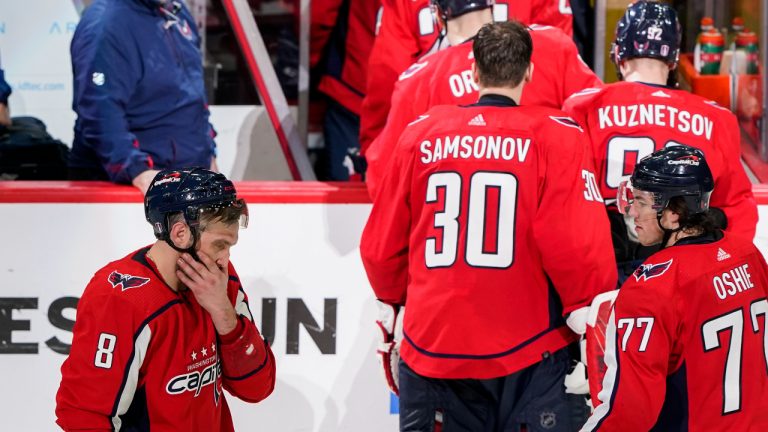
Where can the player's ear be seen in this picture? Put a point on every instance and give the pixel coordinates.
(180, 234)
(670, 219)
(529, 73)
(475, 76)
(623, 68)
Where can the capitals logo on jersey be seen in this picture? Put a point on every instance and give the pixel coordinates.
(126, 281)
(650, 271)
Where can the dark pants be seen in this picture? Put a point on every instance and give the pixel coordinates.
(533, 398)
(341, 128)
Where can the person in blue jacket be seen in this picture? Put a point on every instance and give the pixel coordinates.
(139, 93)
(5, 91)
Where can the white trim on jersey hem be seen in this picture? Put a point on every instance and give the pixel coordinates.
(129, 390)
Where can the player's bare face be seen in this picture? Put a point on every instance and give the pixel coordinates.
(216, 240)
(644, 215)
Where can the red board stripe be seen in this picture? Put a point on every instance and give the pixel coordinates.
(254, 192)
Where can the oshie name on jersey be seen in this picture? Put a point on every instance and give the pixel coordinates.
(477, 147)
(733, 281)
(655, 115)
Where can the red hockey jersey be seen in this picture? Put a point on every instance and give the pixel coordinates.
(145, 356)
(483, 206)
(445, 78)
(686, 343)
(342, 33)
(628, 121)
(408, 32)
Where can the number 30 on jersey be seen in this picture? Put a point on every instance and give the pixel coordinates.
(447, 220)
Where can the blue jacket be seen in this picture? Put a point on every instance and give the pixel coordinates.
(138, 90)
(5, 89)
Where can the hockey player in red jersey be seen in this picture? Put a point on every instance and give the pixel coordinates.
(686, 341)
(445, 77)
(627, 121)
(408, 31)
(342, 36)
(160, 332)
(475, 219)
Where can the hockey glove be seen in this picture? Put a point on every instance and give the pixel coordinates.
(576, 381)
(390, 325)
(577, 320)
(355, 164)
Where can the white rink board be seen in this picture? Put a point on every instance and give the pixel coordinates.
(290, 251)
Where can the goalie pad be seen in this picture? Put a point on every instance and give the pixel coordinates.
(390, 324)
(597, 322)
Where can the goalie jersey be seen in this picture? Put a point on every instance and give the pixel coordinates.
(686, 342)
(146, 357)
(483, 207)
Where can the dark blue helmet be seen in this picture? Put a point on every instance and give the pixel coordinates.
(186, 191)
(650, 30)
(675, 171)
(448, 9)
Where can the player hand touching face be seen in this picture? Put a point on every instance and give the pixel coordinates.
(208, 277)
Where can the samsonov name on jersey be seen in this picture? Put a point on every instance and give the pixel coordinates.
(655, 115)
(477, 147)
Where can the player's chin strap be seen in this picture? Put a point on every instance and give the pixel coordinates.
(667, 232)
(672, 79)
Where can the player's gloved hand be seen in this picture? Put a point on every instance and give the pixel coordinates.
(577, 320)
(355, 163)
(576, 381)
(390, 325)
